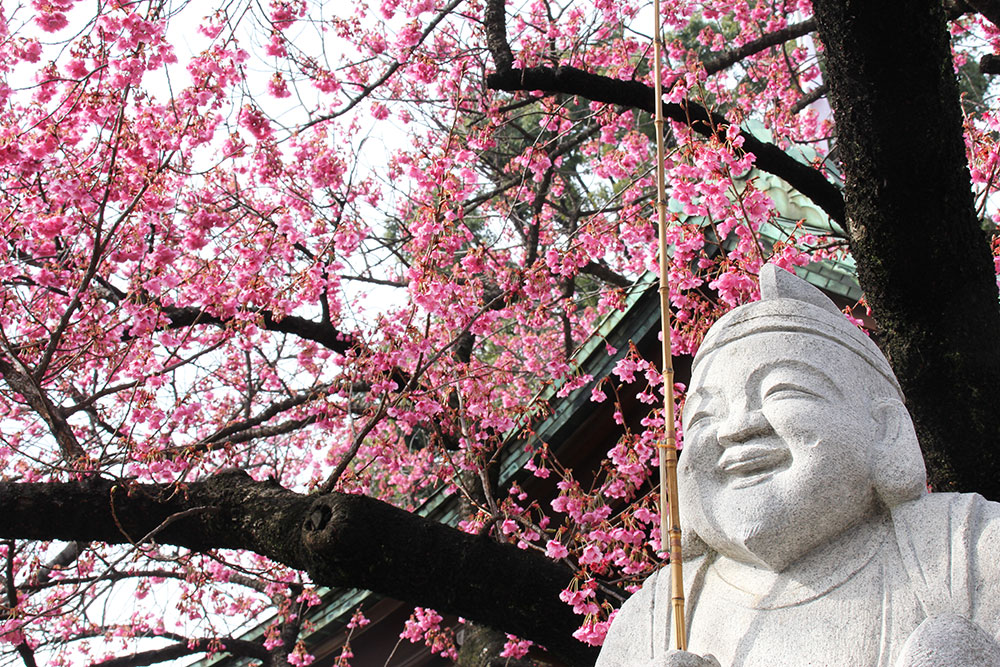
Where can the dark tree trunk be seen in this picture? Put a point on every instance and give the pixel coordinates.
(923, 260)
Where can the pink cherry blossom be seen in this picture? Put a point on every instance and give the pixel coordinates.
(311, 238)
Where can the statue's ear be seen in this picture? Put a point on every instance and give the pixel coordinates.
(897, 464)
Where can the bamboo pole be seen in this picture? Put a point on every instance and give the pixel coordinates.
(668, 449)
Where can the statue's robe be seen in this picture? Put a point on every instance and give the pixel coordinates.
(939, 554)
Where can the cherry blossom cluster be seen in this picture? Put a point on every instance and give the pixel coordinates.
(311, 243)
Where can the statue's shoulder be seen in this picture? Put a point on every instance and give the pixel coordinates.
(640, 631)
(630, 638)
(948, 544)
(942, 514)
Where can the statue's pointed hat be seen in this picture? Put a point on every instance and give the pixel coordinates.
(790, 304)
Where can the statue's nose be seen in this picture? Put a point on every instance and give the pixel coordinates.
(740, 427)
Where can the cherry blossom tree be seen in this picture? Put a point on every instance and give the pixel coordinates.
(273, 276)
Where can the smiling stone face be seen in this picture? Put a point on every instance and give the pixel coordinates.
(778, 428)
(804, 503)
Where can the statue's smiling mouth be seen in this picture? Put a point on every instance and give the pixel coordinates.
(753, 464)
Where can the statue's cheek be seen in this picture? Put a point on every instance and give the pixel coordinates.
(799, 423)
(699, 454)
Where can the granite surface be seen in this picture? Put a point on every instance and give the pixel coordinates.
(809, 536)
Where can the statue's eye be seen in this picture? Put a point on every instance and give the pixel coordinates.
(700, 419)
(783, 390)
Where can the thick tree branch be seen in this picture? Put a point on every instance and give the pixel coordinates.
(634, 94)
(602, 271)
(729, 58)
(237, 647)
(495, 22)
(64, 558)
(810, 97)
(989, 64)
(323, 333)
(26, 385)
(332, 537)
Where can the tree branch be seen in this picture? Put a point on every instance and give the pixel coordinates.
(323, 333)
(495, 22)
(249, 425)
(603, 272)
(729, 58)
(64, 558)
(989, 64)
(237, 647)
(810, 97)
(23, 649)
(634, 94)
(340, 540)
(26, 385)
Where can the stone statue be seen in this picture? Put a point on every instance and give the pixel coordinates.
(809, 535)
